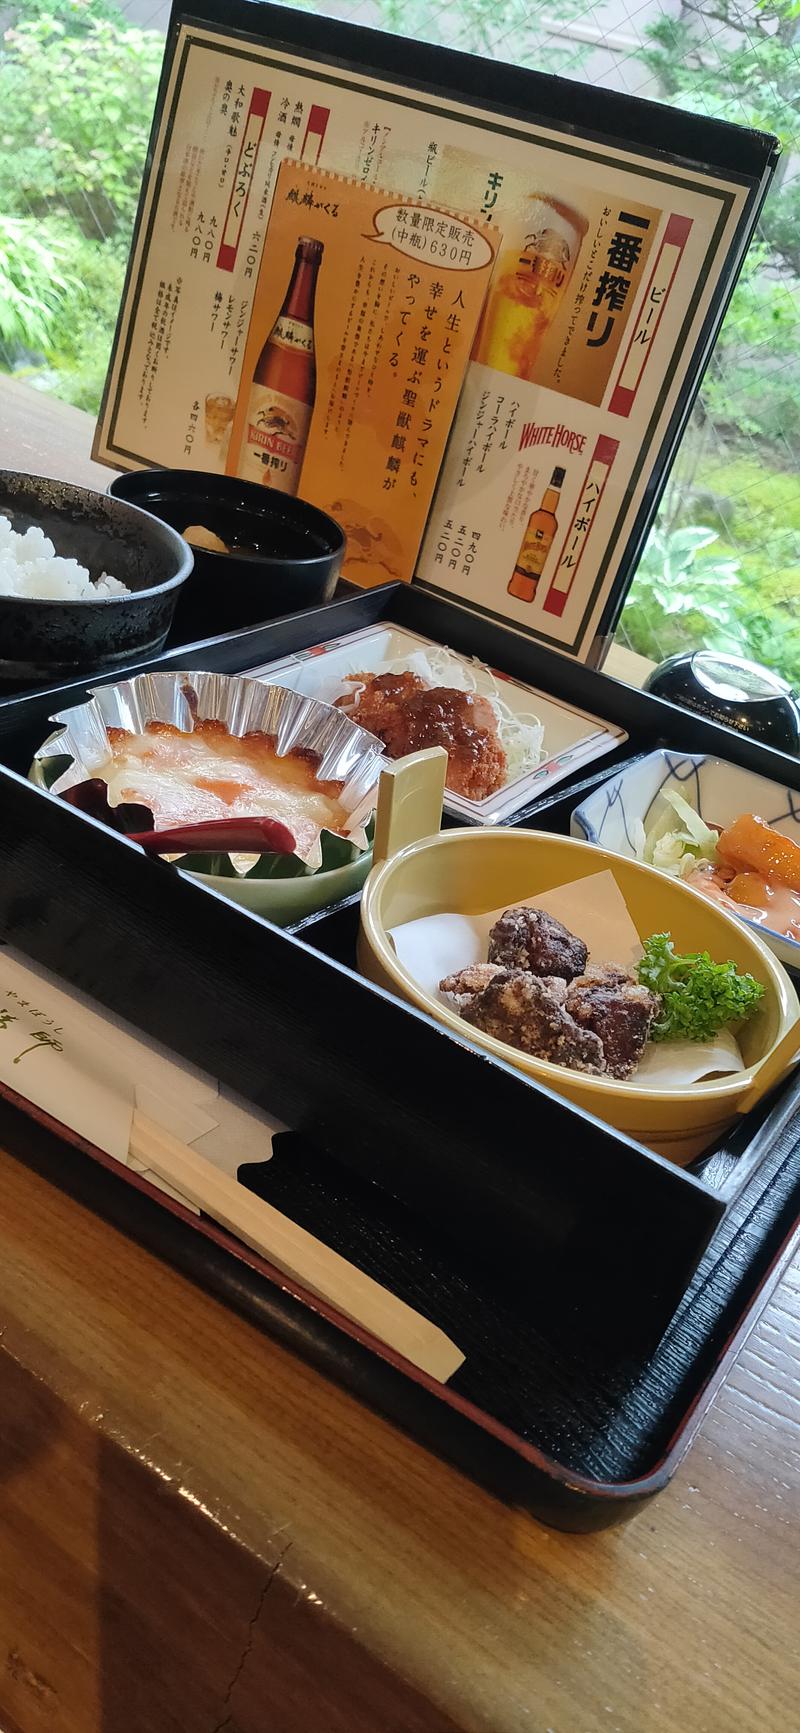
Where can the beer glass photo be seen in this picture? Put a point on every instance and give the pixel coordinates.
(218, 422)
(531, 278)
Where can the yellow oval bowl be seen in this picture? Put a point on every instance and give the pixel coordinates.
(468, 872)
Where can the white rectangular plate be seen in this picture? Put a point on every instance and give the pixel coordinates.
(572, 738)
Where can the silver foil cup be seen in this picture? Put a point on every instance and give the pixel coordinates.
(346, 753)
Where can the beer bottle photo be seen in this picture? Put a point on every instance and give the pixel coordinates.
(537, 541)
(284, 383)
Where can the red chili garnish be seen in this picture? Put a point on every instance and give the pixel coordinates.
(219, 836)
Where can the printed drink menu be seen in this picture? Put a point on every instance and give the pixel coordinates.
(608, 261)
(550, 424)
(351, 375)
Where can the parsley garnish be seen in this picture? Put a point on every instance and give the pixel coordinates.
(698, 997)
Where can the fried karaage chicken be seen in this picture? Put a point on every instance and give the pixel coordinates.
(516, 1007)
(617, 1009)
(539, 993)
(460, 989)
(530, 939)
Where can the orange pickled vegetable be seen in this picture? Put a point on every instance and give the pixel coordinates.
(749, 888)
(750, 845)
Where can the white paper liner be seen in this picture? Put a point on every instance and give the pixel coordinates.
(595, 909)
(346, 752)
(93, 1072)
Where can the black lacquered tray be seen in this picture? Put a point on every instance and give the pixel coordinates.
(550, 1242)
(579, 1435)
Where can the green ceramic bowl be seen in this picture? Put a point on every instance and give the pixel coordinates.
(277, 889)
(286, 901)
(282, 901)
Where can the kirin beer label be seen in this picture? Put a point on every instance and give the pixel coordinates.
(275, 439)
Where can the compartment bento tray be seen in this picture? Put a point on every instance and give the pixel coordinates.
(601, 1241)
(581, 1438)
(571, 737)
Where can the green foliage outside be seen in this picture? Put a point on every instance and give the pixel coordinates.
(737, 470)
(77, 89)
(34, 287)
(502, 29)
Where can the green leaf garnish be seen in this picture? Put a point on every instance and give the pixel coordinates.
(699, 997)
(337, 851)
(54, 765)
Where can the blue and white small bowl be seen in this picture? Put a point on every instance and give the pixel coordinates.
(719, 792)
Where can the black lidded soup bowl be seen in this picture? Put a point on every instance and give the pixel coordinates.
(283, 553)
(47, 641)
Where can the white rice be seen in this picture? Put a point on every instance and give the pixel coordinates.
(30, 567)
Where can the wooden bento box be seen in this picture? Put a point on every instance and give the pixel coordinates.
(560, 1250)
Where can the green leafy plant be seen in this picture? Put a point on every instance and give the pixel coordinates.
(75, 111)
(517, 30)
(772, 637)
(676, 602)
(752, 387)
(77, 88)
(737, 60)
(75, 15)
(698, 997)
(695, 587)
(82, 329)
(33, 286)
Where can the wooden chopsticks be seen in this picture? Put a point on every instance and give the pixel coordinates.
(294, 1251)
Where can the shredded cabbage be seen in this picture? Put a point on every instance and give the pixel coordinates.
(521, 734)
(676, 849)
(639, 838)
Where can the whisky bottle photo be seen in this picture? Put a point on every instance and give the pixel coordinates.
(537, 541)
(284, 383)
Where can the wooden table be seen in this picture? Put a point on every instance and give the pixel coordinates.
(45, 437)
(198, 1534)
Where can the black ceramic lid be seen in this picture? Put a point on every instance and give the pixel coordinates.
(734, 680)
(732, 690)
